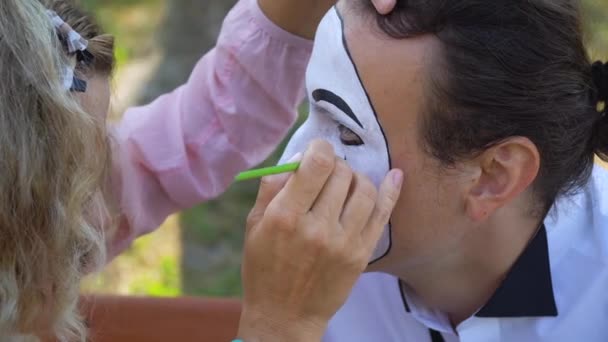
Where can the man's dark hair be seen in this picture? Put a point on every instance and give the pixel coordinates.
(510, 68)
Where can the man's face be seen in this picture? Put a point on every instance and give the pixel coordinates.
(366, 94)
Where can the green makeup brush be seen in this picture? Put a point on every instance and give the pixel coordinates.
(267, 171)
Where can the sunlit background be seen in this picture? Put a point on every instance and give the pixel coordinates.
(196, 252)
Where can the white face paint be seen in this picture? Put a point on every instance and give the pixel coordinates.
(338, 100)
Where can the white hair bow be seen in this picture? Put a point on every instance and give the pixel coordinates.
(75, 45)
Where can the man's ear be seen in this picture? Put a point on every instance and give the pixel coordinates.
(505, 171)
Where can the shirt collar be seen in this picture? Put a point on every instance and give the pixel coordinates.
(527, 291)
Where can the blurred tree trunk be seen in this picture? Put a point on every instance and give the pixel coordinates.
(189, 30)
(211, 234)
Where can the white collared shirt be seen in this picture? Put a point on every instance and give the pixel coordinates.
(557, 291)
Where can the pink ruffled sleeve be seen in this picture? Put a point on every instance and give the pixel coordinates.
(187, 146)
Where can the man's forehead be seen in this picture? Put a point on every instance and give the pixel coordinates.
(390, 68)
(331, 68)
(330, 34)
(360, 8)
(349, 26)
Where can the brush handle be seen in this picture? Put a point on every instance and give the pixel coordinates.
(267, 171)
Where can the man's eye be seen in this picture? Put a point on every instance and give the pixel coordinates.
(348, 137)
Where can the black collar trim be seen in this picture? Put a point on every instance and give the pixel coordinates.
(527, 291)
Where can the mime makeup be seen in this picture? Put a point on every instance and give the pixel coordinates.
(341, 111)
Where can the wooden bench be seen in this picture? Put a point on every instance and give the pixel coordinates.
(133, 319)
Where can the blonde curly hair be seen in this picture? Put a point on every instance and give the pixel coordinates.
(54, 160)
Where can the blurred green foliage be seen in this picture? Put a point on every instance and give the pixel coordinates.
(133, 22)
(151, 267)
(595, 15)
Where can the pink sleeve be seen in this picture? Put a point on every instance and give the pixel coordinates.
(187, 146)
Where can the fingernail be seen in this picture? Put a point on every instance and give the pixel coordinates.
(397, 178)
(296, 157)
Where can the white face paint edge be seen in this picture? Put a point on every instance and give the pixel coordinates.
(332, 72)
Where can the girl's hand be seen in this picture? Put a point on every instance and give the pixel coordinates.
(301, 17)
(308, 240)
(384, 6)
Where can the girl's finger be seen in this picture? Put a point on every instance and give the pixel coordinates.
(305, 185)
(269, 188)
(384, 7)
(359, 205)
(387, 199)
(331, 200)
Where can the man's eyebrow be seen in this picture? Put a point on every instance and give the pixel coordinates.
(328, 96)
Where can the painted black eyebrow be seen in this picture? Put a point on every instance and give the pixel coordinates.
(328, 96)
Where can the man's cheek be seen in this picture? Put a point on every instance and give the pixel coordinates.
(298, 143)
(362, 160)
